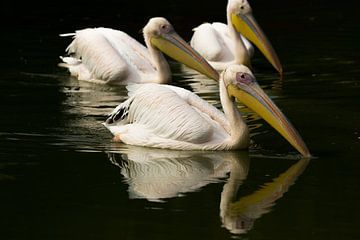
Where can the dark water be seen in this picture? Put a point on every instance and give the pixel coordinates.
(61, 177)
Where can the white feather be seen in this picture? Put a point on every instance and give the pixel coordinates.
(108, 55)
(215, 43)
(166, 116)
(223, 30)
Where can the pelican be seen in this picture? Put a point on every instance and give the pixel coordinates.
(165, 116)
(105, 55)
(223, 44)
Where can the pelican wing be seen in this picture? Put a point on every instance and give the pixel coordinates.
(223, 31)
(201, 105)
(109, 55)
(167, 117)
(213, 42)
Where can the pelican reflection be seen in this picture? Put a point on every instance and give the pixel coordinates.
(238, 216)
(158, 174)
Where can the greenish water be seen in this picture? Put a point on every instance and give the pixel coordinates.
(61, 176)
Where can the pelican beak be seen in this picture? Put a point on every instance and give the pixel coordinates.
(248, 27)
(175, 47)
(251, 94)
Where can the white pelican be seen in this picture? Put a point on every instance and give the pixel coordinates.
(223, 44)
(105, 55)
(166, 116)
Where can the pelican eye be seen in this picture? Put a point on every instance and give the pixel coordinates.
(165, 28)
(244, 78)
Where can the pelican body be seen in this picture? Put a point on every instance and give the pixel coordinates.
(224, 44)
(105, 55)
(164, 116)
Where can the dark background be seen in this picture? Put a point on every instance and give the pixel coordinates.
(32, 23)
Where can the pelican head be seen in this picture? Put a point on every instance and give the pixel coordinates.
(160, 33)
(241, 84)
(240, 14)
